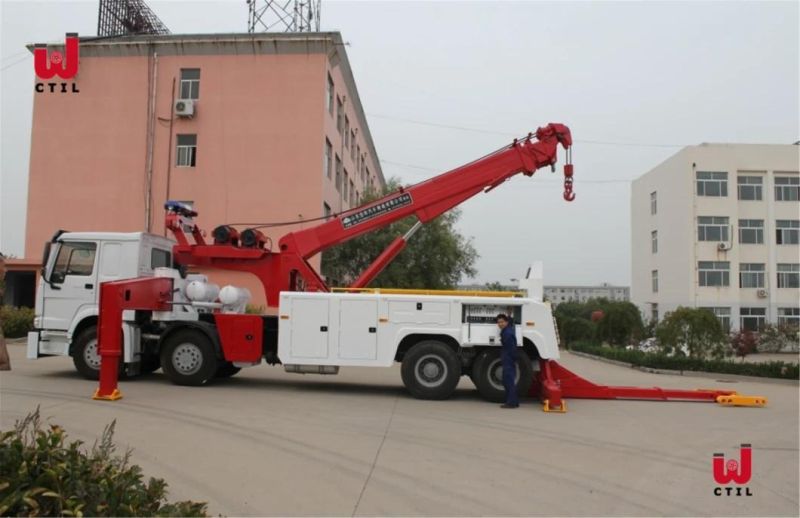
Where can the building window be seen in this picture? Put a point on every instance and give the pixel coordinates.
(353, 155)
(654, 241)
(338, 173)
(751, 231)
(344, 185)
(339, 114)
(653, 202)
(788, 275)
(190, 83)
(186, 155)
(787, 188)
(358, 197)
(712, 228)
(347, 133)
(712, 183)
(327, 165)
(654, 312)
(326, 209)
(752, 319)
(750, 187)
(329, 99)
(714, 273)
(789, 317)
(359, 163)
(787, 231)
(723, 315)
(654, 280)
(352, 193)
(751, 275)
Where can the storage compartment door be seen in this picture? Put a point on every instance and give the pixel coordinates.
(358, 330)
(309, 328)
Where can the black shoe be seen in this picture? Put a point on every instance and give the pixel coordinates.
(506, 405)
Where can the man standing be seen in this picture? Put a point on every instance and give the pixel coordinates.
(508, 355)
(5, 361)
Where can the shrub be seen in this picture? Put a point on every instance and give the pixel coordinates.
(16, 322)
(780, 338)
(696, 329)
(574, 329)
(681, 363)
(41, 474)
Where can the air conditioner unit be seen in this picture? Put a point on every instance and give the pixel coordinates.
(723, 247)
(762, 294)
(184, 108)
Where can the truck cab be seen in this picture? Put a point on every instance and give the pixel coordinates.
(74, 264)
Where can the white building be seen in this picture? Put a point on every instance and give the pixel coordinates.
(717, 226)
(557, 294)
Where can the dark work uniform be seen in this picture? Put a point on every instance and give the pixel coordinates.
(508, 355)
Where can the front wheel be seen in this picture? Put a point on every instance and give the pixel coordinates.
(188, 358)
(85, 355)
(487, 374)
(431, 370)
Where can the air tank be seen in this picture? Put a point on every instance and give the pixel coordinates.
(233, 296)
(199, 291)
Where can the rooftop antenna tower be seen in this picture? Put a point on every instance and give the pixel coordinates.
(283, 15)
(127, 17)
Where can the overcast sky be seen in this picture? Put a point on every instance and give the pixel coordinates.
(633, 80)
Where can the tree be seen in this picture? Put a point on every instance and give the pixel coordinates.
(495, 286)
(620, 324)
(436, 257)
(744, 342)
(696, 329)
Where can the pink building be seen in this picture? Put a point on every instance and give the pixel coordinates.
(248, 128)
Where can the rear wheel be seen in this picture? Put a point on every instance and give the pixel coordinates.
(431, 370)
(188, 358)
(487, 374)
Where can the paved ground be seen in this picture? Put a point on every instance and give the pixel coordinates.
(270, 443)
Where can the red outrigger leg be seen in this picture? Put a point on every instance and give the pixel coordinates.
(553, 383)
(150, 293)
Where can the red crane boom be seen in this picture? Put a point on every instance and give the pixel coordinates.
(288, 268)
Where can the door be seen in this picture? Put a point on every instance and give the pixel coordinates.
(73, 284)
(310, 328)
(358, 330)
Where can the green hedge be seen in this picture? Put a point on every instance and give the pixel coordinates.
(681, 363)
(16, 322)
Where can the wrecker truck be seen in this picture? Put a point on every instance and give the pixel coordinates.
(126, 304)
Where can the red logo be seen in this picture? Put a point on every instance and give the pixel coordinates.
(57, 64)
(738, 472)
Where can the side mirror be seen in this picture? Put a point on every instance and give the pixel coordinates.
(57, 277)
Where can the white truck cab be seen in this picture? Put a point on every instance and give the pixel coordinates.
(73, 267)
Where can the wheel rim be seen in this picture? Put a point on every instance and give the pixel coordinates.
(496, 374)
(90, 355)
(431, 370)
(187, 359)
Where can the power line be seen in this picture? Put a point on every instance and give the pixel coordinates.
(511, 135)
(24, 58)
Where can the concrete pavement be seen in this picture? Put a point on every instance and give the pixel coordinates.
(270, 443)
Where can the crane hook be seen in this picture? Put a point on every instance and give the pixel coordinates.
(568, 172)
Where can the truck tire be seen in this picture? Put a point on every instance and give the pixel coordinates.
(85, 354)
(188, 358)
(431, 370)
(487, 374)
(226, 370)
